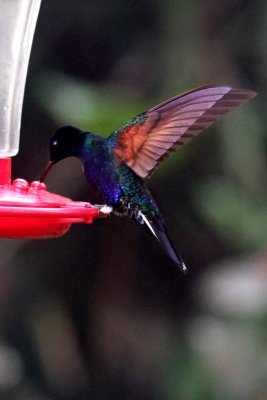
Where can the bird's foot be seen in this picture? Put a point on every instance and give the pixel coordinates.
(136, 214)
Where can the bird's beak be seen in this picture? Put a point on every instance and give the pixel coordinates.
(45, 173)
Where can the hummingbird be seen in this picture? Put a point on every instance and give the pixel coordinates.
(116, 166)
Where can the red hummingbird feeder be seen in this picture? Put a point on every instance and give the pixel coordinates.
(27, 210)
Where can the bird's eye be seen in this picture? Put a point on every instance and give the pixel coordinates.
(55, 144)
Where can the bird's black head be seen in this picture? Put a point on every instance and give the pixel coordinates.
(66, 142)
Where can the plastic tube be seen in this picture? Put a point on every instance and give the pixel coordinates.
(17, 24)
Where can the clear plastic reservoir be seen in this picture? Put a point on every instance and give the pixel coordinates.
(17, 25)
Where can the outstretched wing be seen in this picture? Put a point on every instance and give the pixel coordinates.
(147, 139)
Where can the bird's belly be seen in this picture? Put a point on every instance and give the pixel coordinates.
(103, 180)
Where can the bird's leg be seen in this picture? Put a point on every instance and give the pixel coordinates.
(135, 213)
(121, 208)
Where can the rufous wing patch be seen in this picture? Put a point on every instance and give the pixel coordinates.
(173, 123)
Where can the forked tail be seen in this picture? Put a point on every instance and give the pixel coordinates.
(157, 229)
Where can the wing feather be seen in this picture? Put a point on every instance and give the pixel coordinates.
(146, 140)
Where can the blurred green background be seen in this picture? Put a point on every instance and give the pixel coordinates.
(102, 313)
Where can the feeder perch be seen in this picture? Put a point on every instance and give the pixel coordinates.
(27, 210)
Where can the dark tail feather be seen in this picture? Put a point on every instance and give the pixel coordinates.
(157, 229)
